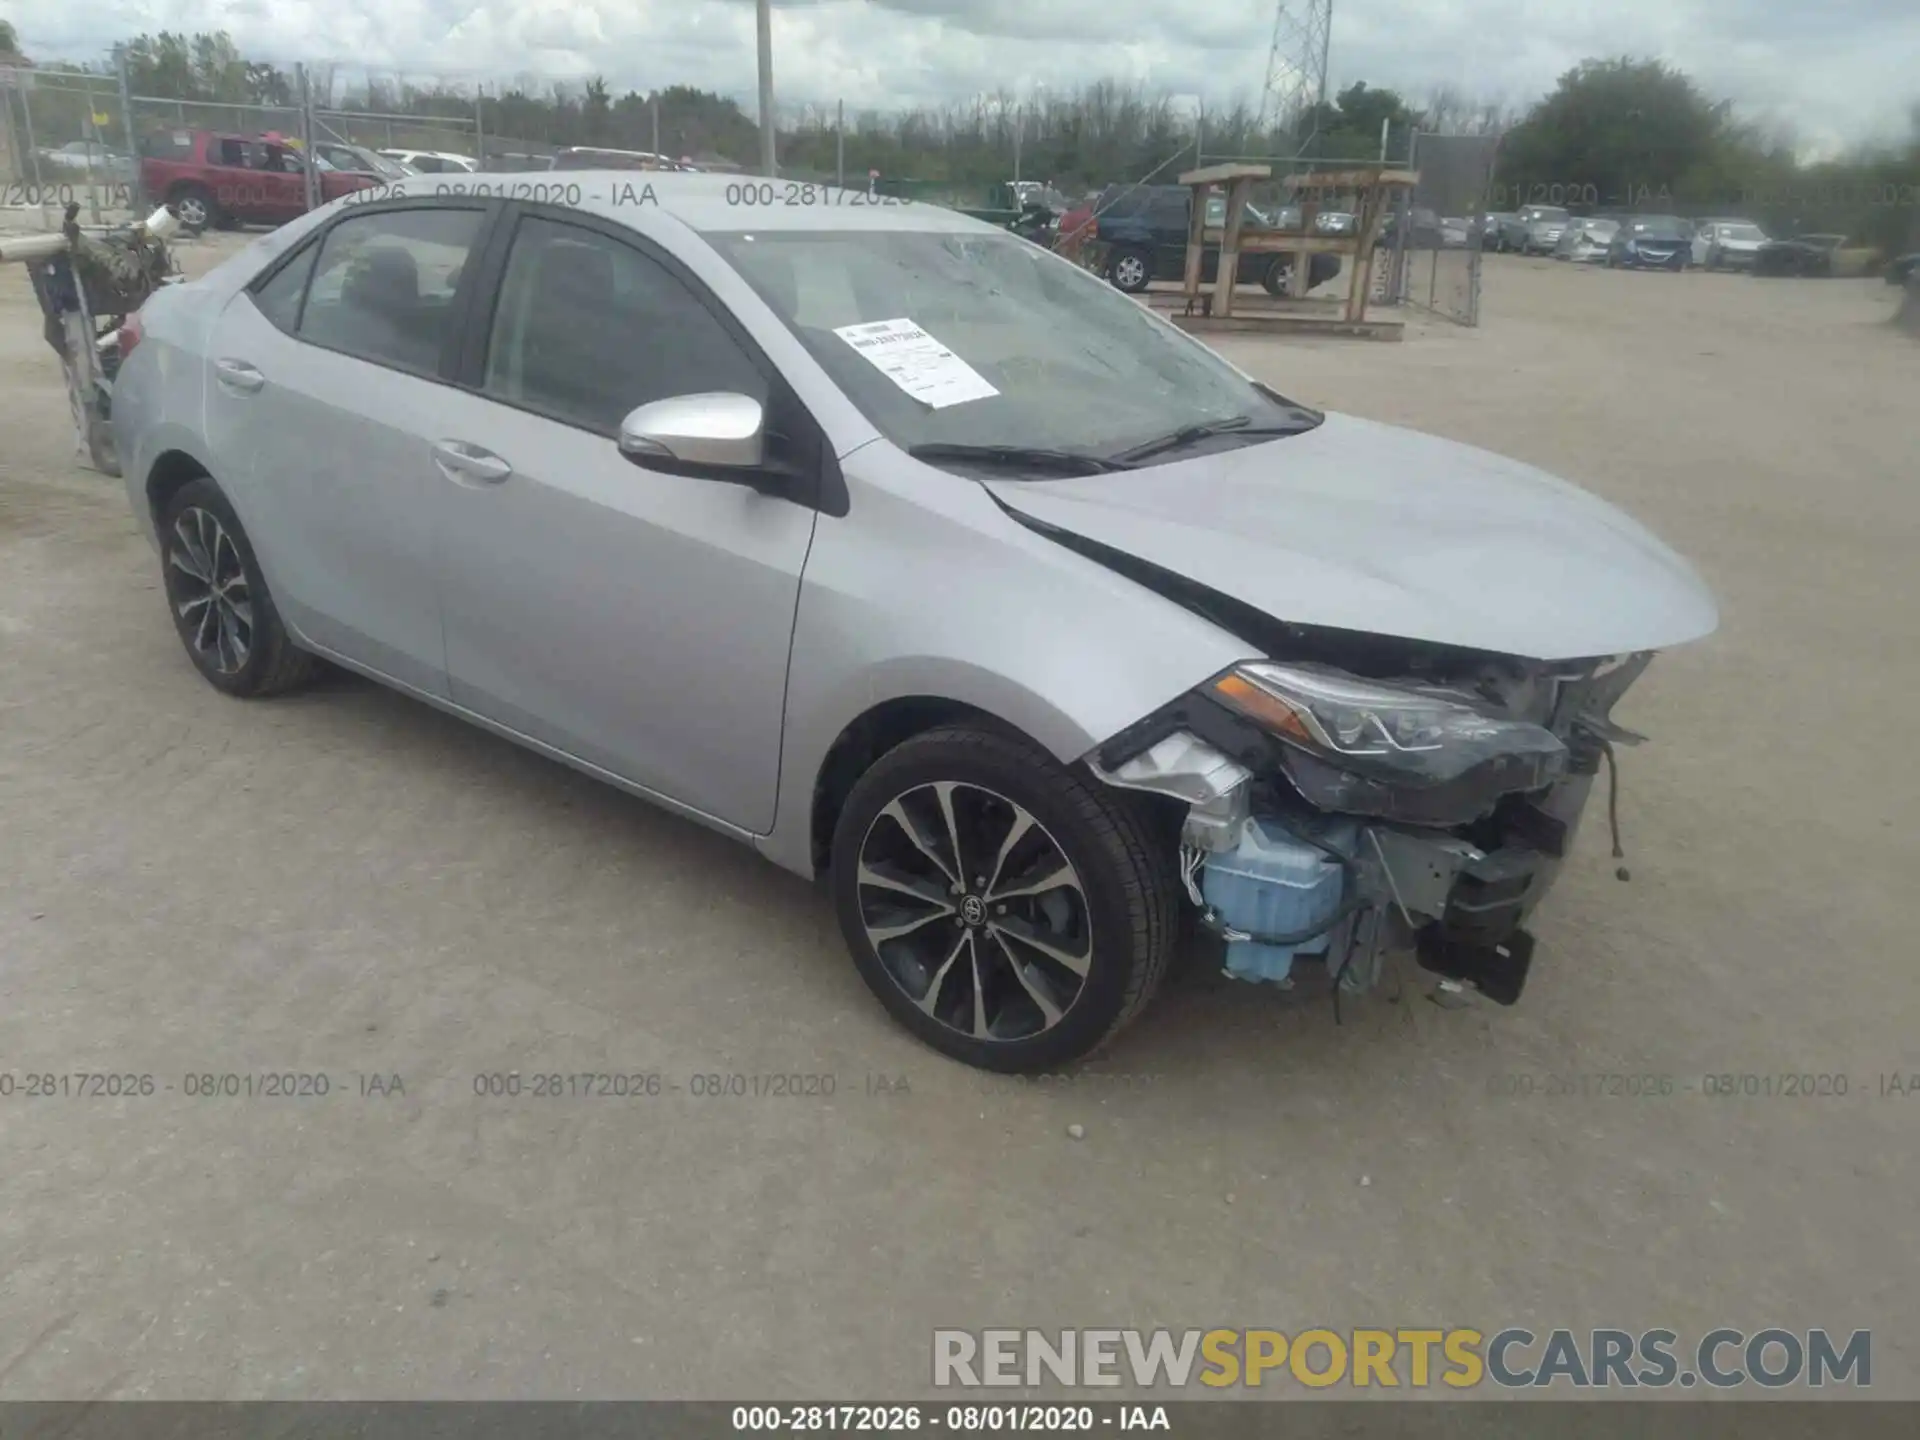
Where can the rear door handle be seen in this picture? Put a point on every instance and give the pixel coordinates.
(469, 464)
(238, 375)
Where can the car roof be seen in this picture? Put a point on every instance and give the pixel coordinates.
(715, 203)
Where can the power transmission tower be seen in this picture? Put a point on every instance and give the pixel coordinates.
(1296, 66)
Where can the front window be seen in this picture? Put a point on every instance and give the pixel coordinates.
(1742, 232)
(1039, 354)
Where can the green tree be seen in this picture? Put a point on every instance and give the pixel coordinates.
(596, 113)
(1624, 131)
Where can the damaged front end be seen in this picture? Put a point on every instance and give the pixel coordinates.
(1365, 798)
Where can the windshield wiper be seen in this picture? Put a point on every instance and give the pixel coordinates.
(1194, 434)
(1018, 457)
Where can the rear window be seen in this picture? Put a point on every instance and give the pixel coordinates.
(168, 145)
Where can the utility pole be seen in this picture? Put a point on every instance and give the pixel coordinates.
(764, 20)
(840, 144)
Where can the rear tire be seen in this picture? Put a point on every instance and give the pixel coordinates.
(196, 207)
(222, 609)
(1130, 270)
(1064, 917)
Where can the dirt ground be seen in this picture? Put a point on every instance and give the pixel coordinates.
(347, 883)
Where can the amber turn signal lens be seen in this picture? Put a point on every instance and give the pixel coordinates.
(1257, 704)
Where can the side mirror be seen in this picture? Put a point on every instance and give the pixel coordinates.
(692, 433)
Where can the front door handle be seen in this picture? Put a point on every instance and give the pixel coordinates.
(238, 375)
(469, 464)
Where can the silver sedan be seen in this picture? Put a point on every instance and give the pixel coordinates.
(915, 557)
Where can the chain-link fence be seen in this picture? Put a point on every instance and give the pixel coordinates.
(63, 140)
(1437, 226)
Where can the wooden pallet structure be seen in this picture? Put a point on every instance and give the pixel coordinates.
(1212, 309)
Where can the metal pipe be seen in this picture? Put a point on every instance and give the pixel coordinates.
(764, 23)
(137, 185)
(311, 173)
(33, 148)
(96, 144)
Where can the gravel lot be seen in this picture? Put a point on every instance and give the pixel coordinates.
(346, 882)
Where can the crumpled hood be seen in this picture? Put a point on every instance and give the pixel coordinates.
(1361, 526)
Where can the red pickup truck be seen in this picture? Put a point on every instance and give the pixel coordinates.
(212, 179)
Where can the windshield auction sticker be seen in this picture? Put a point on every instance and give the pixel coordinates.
(917, 363)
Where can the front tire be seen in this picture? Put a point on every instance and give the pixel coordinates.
(221, 606)
(1009, 911)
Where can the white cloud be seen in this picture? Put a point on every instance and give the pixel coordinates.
(1844, 71)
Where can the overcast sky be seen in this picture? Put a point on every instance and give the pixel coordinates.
(1836, 71)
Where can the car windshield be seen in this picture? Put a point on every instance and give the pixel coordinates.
(1546, 216)
(986, 339)
(1659, 227)
(1603, 229)
(1742, 232)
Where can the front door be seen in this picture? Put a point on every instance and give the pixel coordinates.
(636, 620)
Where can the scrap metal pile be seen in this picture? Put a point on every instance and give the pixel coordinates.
(87, 286)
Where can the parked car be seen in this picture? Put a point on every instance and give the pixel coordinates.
(1727, 244)
(593, 157)
(1455, 231)
(358, 160)
(1531, 230)
(434, 162)
(1141, 236)
(1541, 227)
(1650, 242)
(1901, 267)
(1803, 255)
(83, 160)
(1423, 229)
(1332, 688)
(1586, 242)
(215, 179)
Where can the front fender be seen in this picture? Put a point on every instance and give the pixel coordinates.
(927, 589)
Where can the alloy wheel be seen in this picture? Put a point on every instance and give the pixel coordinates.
(193, 211)
(1129, 271)
(974, 911)
(209, 590)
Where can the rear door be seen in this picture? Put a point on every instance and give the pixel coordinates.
(634, 619)
(326, 392)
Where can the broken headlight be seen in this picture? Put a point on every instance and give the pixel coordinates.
(1358, 746)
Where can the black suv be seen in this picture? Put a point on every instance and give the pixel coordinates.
(1144, 231)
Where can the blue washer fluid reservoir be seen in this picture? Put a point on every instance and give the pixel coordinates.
(1272, 883)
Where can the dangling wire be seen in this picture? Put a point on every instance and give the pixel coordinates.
(1613, 805)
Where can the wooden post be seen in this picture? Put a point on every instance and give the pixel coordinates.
(1373, 203)
(1224, 278)
(1196, 242)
